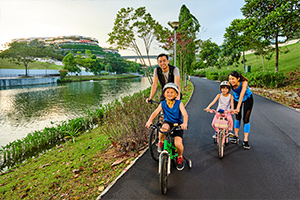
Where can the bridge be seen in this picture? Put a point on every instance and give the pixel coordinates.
(136, 57)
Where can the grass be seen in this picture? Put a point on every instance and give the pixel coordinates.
(92, 77)
(287, 61)
(5, 64)
(79, 170)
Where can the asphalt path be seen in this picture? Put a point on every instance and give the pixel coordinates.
(269, 170)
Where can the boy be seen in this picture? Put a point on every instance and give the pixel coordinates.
(173, 110)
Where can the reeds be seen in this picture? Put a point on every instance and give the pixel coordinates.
(124, 121)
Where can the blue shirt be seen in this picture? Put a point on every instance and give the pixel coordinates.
(237, 92)
(173, 114)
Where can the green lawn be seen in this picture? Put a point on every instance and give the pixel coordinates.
(287, 61)
(5, 64)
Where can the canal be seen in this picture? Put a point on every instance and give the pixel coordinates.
(31, 108)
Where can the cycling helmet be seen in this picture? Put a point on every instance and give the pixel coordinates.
(171, 85)
(225, 83)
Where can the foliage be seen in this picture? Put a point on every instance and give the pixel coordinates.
(277, 21)
(209, 52)
(212, 75)
(265, 79)
(25, 53)
(63, 73)
(70, 64)
(131, 24)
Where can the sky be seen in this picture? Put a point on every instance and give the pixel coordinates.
(95, 18)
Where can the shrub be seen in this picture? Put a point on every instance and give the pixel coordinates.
(212, 75)
(266, 79)
(63, 73)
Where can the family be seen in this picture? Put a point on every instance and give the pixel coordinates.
(175, 112)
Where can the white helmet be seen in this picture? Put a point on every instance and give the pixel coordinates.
(225, 83)
(171, 85)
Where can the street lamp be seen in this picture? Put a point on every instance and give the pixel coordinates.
(175, 26)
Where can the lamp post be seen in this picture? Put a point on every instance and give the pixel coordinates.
(175, 26)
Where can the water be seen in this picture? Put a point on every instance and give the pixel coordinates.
(31, 108)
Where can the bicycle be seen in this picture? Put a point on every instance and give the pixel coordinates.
(168, 154)
(222, 135)
(153, 135)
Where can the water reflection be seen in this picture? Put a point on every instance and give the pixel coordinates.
(29, 108)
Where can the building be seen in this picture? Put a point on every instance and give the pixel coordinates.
(64, 40)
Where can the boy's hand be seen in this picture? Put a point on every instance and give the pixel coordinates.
(148, 99)
(148, 124)
(183, 126)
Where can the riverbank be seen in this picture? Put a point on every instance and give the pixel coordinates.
(80, 170)
(96, 78)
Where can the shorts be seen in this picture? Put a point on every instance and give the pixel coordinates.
(178, 133)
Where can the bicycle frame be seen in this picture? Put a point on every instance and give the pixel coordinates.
(169, 149)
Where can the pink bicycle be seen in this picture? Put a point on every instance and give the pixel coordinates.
(222, 135)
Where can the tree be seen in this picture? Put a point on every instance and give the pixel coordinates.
(131, 24)
(236, 40)
(70, 63)
(277, 21)
(25, 53)
(210, 52)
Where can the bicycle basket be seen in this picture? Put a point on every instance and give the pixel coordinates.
(221, 123)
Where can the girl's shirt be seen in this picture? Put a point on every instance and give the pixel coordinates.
(173, 114)
(224, 102)
(237, 92)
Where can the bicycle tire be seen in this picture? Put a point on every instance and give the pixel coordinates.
(163, 176)
(152, 144)
(220, 145)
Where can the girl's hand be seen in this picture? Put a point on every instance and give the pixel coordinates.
(207, 109)
(148, 124)
(183, 126)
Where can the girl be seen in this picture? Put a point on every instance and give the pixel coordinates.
(242, 95)
(225, 103)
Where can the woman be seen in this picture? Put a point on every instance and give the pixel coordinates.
(242, 95)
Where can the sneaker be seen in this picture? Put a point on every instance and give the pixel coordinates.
(246, 145)
(180, 163)
(234, 140)
(160, 147)
(230, 134)
(215, 135)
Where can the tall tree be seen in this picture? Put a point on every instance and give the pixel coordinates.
(210, 52)
(236, 40)
(277, 21)
(132, 24)
(25, 53)
(70, 63)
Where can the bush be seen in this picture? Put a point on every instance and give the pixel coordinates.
(201, 73)
(212, 75)
(63, 73)
(266, 79)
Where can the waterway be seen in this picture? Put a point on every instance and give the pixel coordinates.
(31, 108)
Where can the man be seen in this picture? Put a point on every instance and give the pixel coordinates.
(165, 73)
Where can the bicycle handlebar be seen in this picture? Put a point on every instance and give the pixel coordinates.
(152, 101)
(212, 110)
(177, 128)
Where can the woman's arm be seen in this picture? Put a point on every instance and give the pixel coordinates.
(244, 88)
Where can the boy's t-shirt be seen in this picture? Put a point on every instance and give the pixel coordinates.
(173, 114)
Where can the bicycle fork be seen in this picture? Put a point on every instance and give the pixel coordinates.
(169, 162)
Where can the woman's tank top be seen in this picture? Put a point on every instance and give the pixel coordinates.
(237, 92)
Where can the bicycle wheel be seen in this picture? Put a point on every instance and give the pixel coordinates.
(220, 145)
(163, 176)
(152, 144)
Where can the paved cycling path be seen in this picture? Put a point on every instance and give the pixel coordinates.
(269, 170)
